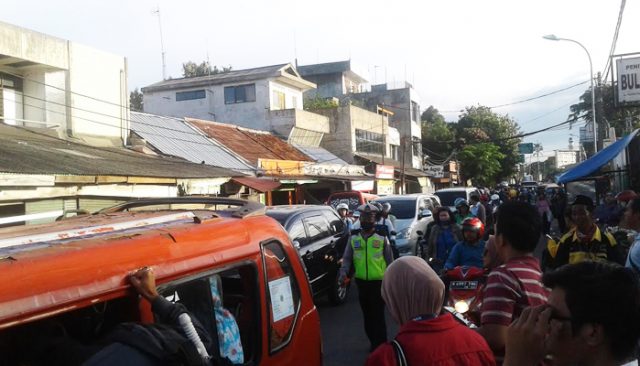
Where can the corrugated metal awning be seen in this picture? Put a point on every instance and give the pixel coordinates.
(262, 185)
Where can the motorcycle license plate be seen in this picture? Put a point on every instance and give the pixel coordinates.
(463, 285)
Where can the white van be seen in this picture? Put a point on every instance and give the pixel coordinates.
(449, 195)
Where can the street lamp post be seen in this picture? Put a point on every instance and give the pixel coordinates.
(553, 37)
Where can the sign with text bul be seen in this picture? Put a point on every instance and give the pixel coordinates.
(384, 171)
(628, 80)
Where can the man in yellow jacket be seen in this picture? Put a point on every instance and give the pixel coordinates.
(585, 242)
(369, 253)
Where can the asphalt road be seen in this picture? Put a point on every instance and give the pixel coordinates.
(344, 341)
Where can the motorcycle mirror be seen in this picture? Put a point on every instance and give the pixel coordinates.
(296, 244)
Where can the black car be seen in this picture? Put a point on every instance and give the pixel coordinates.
(319, 235)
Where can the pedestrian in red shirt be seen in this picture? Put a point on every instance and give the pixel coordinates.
(414, 294)
(517, 283)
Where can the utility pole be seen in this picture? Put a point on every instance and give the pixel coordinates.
(403, 143)
(164, 64)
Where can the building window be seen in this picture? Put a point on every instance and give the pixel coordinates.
(190, 95)
(240, 94)
(417, 146)
(415, 111)
(278, 100)
(395, 152)
(294, 102)
(369, 142)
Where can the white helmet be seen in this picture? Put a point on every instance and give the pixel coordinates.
(495, 197)
(386, 207)
(342, 206)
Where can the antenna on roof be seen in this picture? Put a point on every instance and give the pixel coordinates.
(208, 63)
(164, 64)
(295, 48)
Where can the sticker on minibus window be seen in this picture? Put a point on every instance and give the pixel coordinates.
(281, 298)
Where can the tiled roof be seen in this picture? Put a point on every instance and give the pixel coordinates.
(32, 151)
(249, 144)
(221, 78)
(173, 136)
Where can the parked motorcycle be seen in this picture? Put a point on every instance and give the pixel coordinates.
(464, 287)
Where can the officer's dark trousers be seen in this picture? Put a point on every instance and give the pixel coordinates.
(372, 307)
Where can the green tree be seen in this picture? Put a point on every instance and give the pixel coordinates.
(135, 101)
(191, 69)
(431, 115)
(481, 163)
(606, 111)
(320, 103)
(480, 124)
(438, 138)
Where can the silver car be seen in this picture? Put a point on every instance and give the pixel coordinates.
(413, 213)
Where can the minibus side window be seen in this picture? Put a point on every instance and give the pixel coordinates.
(283, 295)
(226, 305)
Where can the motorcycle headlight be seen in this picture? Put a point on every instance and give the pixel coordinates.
(404, 233)
(461, 306)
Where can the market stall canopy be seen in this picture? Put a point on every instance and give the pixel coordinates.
(598, 160)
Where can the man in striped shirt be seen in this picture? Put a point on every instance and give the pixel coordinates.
(517, 283)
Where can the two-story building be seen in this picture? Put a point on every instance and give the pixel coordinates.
(332, 79)
(266, 98)
(339, 80)
(403, 101)
(52, 83)
(357, 132)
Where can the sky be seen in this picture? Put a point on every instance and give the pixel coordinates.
(455, 53)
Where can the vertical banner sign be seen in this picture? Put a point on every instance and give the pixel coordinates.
(628, 80)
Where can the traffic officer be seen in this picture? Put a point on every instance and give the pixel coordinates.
(370, 254)
(343, 212)
(386, 227)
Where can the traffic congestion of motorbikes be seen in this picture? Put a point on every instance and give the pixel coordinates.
(465, 280)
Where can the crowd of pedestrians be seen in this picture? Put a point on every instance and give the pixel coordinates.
(582, 308)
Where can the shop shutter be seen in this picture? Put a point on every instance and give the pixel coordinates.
(43, 206)
(70, 204)
(96, 204)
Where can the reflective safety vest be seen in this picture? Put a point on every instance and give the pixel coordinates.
(368, 257)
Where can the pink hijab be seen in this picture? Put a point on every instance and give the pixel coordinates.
(411, 288)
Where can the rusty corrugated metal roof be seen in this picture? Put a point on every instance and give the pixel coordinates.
(172, 136)
(249, 144)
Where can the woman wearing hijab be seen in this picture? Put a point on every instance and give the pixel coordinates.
(414, 294)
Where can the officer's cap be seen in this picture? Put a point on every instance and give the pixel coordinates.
(369, 208)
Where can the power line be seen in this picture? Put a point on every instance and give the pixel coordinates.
(615, 39)
(528, 99)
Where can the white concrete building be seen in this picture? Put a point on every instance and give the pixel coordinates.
(264, 98)
(54, 83)
(565, 157)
